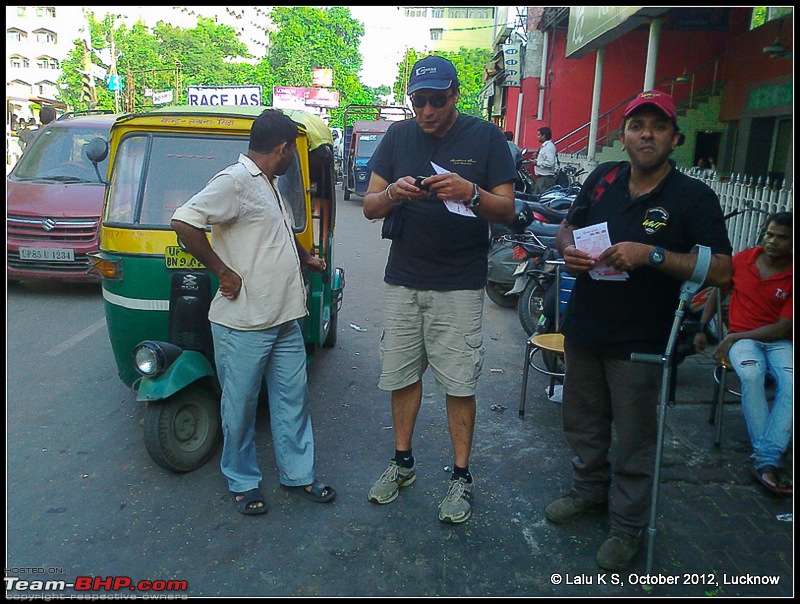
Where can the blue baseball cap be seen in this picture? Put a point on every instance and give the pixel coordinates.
(435, 73)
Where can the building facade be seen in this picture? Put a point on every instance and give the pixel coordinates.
(730, 73)
(39, 38)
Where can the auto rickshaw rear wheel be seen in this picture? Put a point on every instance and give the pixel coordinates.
(181, 433)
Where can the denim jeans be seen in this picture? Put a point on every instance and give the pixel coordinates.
(245, 359)
(770, 429)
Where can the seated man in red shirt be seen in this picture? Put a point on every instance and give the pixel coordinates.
(759, 341)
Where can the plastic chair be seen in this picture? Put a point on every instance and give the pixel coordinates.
(552, 342)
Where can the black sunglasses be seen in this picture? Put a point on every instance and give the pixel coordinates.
(437, 101)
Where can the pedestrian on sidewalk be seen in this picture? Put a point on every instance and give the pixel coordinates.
(654, 216)
(436, 272)
(254, 314)
(759, 342)
(544, 166)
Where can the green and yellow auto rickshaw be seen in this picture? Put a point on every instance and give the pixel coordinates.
(156, 295)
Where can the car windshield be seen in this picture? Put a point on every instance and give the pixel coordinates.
(148, 192)
(60, 154)
(367, 143)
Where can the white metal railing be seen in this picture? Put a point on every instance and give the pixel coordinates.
(746, 203)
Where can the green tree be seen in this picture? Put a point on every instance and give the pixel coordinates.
(309, 37)
(469, 64)
(166, 58)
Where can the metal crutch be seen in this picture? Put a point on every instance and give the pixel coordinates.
(688, 290)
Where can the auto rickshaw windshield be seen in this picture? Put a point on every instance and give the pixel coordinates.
(148, 193)
(367, 143)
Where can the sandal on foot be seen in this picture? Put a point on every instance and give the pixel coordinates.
(319, 492)
(248, 504)
(785, 485)
(767, 476)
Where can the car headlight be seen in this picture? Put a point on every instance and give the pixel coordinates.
(151, 358)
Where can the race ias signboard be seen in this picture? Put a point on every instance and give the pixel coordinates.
(228, 96)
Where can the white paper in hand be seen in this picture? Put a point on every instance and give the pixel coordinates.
(456, 206)
(594, 240)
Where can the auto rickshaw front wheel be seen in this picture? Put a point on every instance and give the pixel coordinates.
(181, 432)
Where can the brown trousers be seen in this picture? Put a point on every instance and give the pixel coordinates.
(600, 393)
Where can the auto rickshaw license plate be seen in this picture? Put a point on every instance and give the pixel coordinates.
(176, 258)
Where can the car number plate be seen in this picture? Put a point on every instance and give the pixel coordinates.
(57, 255)
(176, 258)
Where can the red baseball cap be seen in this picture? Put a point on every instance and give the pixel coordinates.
(660, 100)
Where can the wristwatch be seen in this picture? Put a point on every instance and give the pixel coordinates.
(657, 256)
(476, 198)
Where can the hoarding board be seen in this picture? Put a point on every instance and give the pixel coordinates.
(229, 96)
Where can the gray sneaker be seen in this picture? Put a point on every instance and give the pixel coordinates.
(618, 550)
(388, 485)
(571, 507)
(457, 504)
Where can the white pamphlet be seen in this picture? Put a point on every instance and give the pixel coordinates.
(594, 240)
(456, 206)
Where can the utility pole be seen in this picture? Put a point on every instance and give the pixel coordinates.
(88, 92)
(113, 73)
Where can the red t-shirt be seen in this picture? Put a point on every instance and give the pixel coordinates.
(756, 302)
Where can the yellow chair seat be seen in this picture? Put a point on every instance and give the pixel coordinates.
(551, 342)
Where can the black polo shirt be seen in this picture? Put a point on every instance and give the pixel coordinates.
(438, 249)
(615, 318)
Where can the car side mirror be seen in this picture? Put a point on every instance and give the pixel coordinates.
(97, 151)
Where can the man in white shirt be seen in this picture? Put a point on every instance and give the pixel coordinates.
(253, 316)
(544, 166)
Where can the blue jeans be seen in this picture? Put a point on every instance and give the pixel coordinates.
(245, 359)
(770, 429)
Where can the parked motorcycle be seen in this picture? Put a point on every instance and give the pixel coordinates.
(524, 182)
(528, 240)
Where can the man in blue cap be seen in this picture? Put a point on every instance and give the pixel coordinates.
(439, 179)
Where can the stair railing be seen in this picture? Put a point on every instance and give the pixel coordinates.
(705, 80)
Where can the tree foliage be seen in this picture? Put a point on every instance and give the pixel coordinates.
(469, 64)
(210, 54)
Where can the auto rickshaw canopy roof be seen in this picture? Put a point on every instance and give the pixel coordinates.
(317, 131)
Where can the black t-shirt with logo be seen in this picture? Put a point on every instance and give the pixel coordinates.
(438, 249)
(615, 318)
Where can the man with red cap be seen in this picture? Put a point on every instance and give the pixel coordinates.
(654, 216)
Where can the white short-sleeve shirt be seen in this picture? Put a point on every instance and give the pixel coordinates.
(251, 232)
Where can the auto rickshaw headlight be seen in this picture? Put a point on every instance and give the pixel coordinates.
(152, 358)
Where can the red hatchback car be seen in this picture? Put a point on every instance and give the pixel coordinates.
(54, 199)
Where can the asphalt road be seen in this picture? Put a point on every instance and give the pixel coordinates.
(86, 503)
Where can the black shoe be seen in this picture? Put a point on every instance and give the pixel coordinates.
(571, 507)
(618, 550)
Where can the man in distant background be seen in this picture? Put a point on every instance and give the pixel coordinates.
(544, 166)
(516, 152)
(46, 115)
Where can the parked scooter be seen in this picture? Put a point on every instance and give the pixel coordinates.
(529, 239)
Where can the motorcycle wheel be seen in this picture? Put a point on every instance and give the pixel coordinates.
(497, 294)
(531, 305)
(181, 433)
